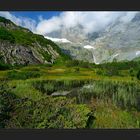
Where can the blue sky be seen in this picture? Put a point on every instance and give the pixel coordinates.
(34, 14)
(45, 22)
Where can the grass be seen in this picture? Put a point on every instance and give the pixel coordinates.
(109, 116)
(16, 74)
(112, 100)
(123, 94)
(27, 80)
(100, 96)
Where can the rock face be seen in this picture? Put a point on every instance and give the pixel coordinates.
(20, 54)
(76, 51)
(119, 40)
(20, 46)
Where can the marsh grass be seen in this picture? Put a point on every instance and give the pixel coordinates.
(123, 94)
(24, 89)
(50, 86)
(108, 115)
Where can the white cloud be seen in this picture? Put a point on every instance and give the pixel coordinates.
(91, 21)
(22, 21)
(49, 26)
(8, 15)
(28, 23)
(128, 16)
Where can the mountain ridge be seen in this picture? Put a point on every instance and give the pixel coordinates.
(119, 37)
(19, 45)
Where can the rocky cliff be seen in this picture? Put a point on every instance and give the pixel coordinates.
(20, 46)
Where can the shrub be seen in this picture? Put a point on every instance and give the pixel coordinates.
(75, 63)
(99, 72)
(138, 75)
(131, 71)
(22, 75)
(5, 66)
(49, 112)
(76, 69)
(7, 101)
(6, 35)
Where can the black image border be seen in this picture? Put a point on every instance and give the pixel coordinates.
(70, 5)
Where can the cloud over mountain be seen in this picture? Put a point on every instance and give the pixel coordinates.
(90, 21)
(22, 21)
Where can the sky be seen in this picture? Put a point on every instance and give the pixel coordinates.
(46, 22)
(34, 14)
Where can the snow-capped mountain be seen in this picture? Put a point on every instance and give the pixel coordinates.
(119, 40)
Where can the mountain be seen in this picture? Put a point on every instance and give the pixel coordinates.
(20, 46)
(119, 41)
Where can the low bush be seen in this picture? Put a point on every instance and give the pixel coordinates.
(6, 35)
(7, 102)
(22, 74)
(5, 66)
(49, 112)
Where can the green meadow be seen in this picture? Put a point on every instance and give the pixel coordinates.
(73, 95)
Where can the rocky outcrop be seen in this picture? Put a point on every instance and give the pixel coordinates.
(19, 54)
(25, 47)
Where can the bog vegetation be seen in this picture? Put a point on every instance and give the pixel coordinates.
(74, 95)
(68, 93)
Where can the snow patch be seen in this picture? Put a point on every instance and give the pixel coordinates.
(137, 52)
(115, 55)
(89, 47)
(63, 40)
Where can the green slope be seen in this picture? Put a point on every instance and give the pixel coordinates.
(14, 38)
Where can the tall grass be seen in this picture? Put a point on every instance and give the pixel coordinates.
(49, 86)
(24, 89)
(108, 115)
(123, 94)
